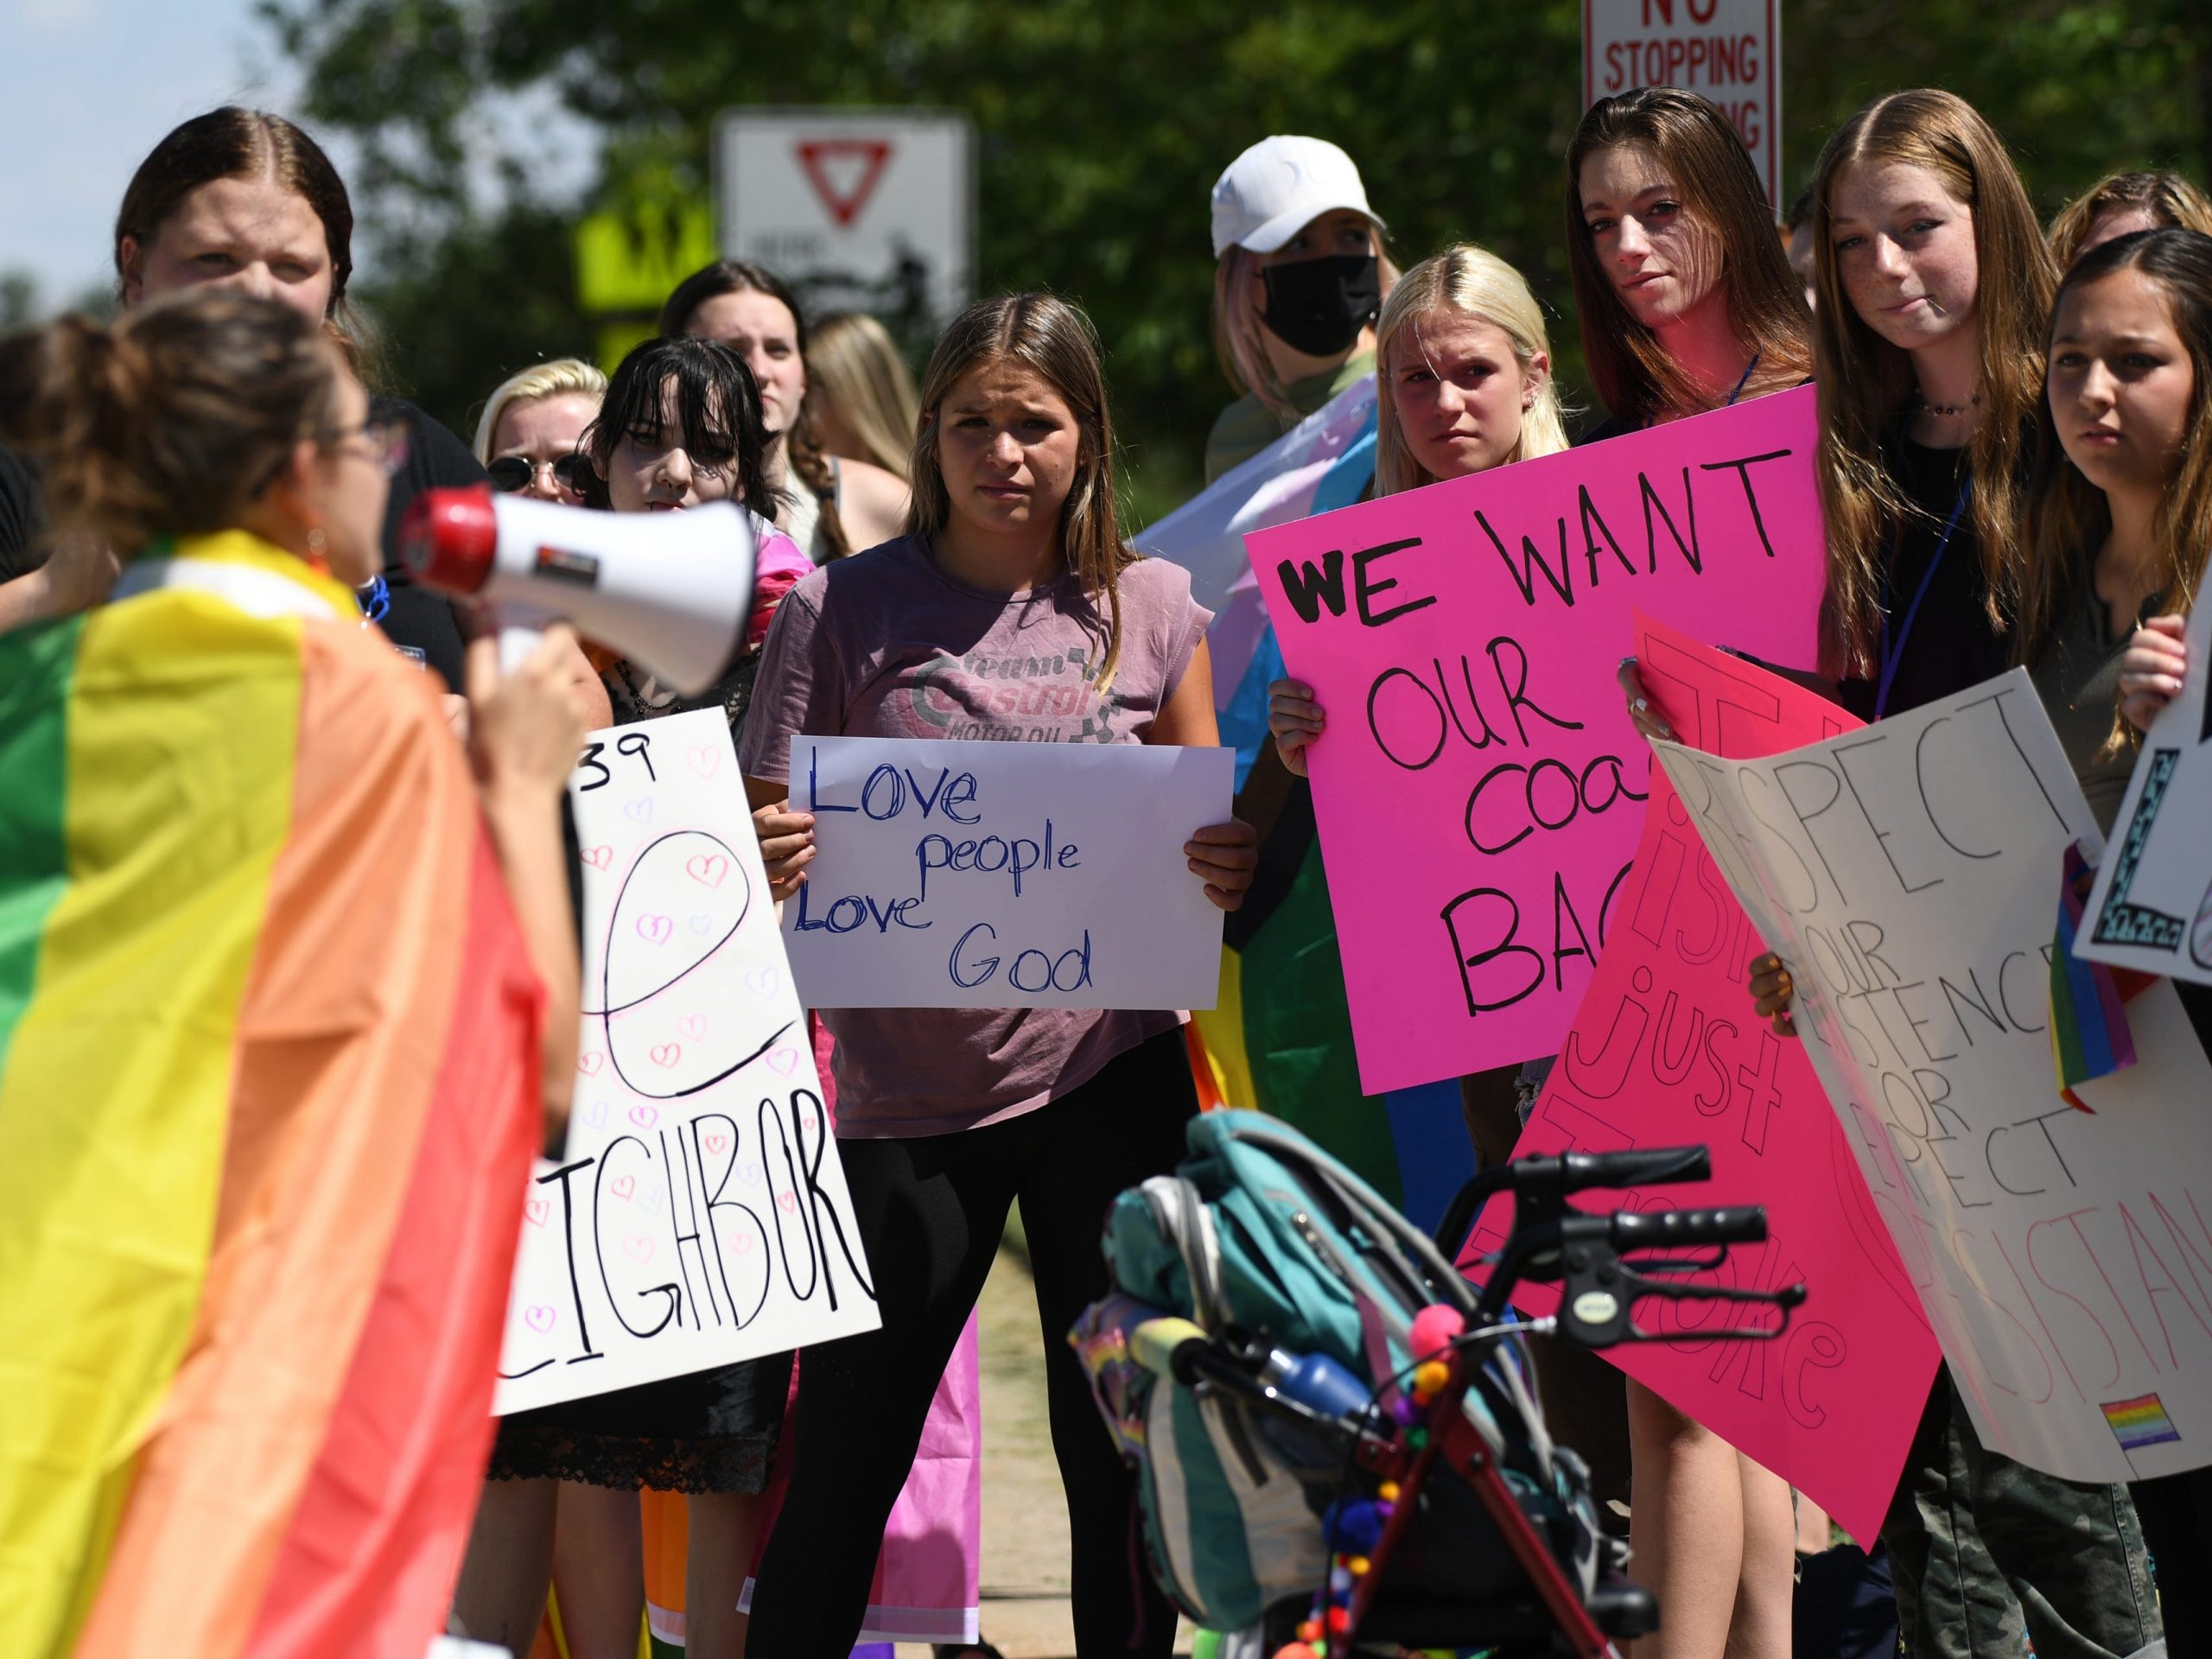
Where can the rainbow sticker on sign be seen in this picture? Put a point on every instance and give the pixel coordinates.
(2140, 1422)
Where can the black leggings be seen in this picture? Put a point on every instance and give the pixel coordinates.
(931, 1210)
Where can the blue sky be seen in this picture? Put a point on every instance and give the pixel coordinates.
(91, 85)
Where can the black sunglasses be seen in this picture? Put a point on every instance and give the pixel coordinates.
(572, 472)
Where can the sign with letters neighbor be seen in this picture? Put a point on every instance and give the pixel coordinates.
(952, 874)
(699, 1214)
(1479, 788)
(2152, 906)
(1909, 876)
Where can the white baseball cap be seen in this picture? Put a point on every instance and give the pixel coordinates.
(1279, 186)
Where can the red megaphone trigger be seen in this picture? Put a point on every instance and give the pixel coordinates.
(448, 538)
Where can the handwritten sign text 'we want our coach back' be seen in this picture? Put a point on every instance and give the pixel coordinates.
(1479, 788)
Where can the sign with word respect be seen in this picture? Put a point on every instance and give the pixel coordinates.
(699, 1214)
(1666, 1051)
(953, 874)
(1479, 787)
(1907, 875)
(1729, 51)
(2152, 906)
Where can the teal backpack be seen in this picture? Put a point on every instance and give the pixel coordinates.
(1261, 1232)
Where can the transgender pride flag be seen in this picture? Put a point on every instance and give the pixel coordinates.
(1323, 462)
(1280, 1038)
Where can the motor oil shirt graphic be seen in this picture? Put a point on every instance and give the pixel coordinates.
(986, 696)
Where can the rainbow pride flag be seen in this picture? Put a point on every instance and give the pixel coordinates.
(269, 1091)
(2089, 1034)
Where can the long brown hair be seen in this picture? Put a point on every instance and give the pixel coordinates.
(2070, 517)
(802, 449)
(171, 420)
(2168, 198)
(1712, 174)
(1054, 339)
(1865, 383)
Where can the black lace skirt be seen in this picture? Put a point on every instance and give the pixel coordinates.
(711, 1432)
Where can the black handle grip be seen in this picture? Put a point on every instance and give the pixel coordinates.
(1665, 1229)
(1654, 1166)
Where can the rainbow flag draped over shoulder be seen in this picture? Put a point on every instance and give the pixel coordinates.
(269, 1095)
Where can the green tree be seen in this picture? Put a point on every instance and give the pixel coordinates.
(1102, 129)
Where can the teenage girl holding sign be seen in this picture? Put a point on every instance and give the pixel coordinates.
(947, 1117)
(1687, 304)
(1935, 286)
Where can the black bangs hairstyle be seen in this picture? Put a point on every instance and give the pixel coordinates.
(718, 410)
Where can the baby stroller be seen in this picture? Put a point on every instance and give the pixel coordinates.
(1336, 1433)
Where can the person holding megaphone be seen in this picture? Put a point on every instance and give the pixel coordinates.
(680, 432)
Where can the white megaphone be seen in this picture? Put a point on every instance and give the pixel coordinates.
(669, 591)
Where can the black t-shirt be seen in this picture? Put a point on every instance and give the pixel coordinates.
(1951, 643)
(420, 622)
(21, 516)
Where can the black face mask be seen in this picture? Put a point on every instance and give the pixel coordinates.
(1319, 306)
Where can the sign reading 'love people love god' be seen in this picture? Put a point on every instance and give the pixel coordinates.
(1908, 874)
(1666, 1050)
(699, 1214)
(1480, 787)
(1001, 875)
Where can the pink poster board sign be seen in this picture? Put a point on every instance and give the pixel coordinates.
(1479, 788)
(1666, 1051)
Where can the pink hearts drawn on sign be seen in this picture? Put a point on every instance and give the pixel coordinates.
(655, 930)
(637, 1249)
(589, 1062)
(784, 1061)
(599, 858)
(762, 981)
(742, 1244)
(534, 1211)
(704, 763)
(715, 1143)
(644, 1116)
(623, 1185)
(692, 1027)
(539, 1317)
(640, 810)
(664, 1054)
(708, 869)
(787, 1202)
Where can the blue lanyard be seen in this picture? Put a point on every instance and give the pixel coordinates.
(1745, 381)
(1893, 654)
(374, 600)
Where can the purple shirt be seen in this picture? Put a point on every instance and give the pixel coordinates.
(887, 644)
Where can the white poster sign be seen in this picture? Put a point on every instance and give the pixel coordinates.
(871, 210)
(1909, 876)
(2152, 906)
(699, 1214)
(1729, 51)
(999, 875)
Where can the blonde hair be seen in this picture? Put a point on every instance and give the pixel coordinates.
(2170, 199)
(855, 373)
(1240, 338)
(1475, 283)
(1055, 341)
(1865, 383)
(559, 377)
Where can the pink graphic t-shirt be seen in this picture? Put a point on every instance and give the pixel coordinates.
(887, 644)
